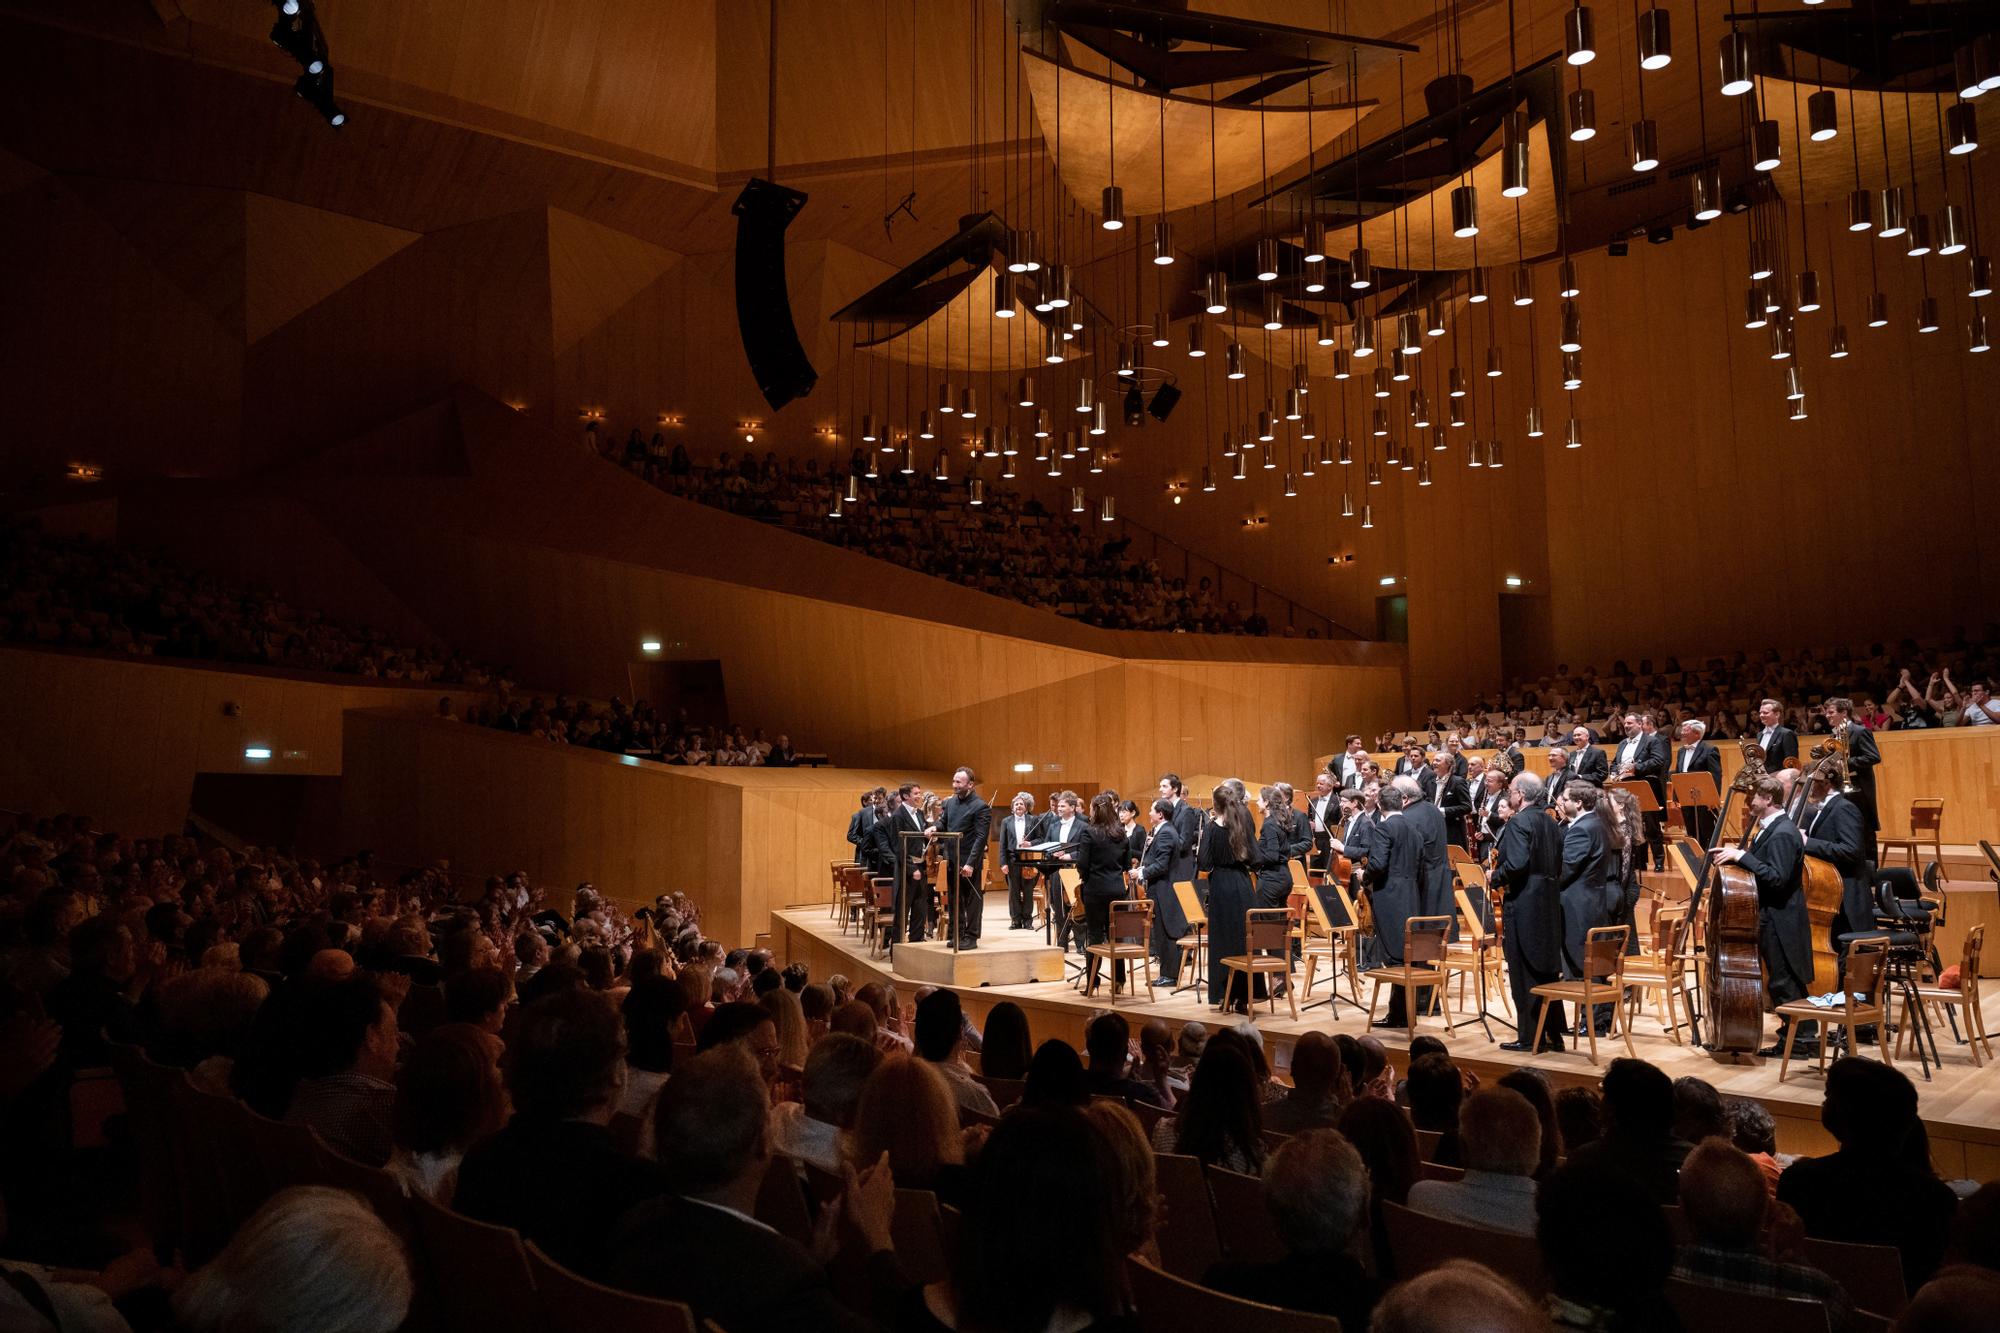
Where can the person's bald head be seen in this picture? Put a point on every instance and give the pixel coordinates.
(331, 965)
(1723, 1196)
(1458, 1296)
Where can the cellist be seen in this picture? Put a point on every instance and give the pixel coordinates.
(1836, 830)
(1773, 853)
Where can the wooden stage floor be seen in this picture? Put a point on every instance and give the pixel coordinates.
(1960, 1104)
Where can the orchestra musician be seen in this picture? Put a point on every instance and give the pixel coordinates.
(1345, 768)
(1063, 828)
(1274, 840)
(1774, 854)
(1395, 878)
(1101, 859)
(1230, 857)
(1434, 873)
(863, 820)
(1446, 792)
(1862, 757)
(1780, 742)
(1696, 755)
(1188, 823)
(1527, 866)
(879, 851)
(1516, 750)
(914, 892)
(1018, 829)
(1587, 763)
(1454, 745)
(1589, 883)
(1322, 815)
(1642, 757)
(1487, 819)
(966, 813)
(1559, 778)
(1833, 830)
(1155, 877)
(1624, 825)
(1134, 831)
(1412, 761)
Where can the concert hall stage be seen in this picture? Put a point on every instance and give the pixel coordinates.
(1960, 1104)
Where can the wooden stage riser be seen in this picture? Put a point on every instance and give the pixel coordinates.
(1961, 1105)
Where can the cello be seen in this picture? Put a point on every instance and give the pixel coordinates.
(1733, 980)
(1820, 878)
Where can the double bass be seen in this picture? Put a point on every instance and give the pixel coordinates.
(1733, 981)
(1820, 878)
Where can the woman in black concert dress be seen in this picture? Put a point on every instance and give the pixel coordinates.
(1230, 857)
(1100, 859)
(1275, 841)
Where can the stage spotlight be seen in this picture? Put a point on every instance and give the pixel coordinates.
(317, 89)
(1135, 407)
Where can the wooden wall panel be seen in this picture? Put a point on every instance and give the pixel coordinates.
(122, 740)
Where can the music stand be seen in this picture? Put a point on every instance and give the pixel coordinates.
(1695, 791)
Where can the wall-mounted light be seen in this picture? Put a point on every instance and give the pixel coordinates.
(1387, 580)
(1514, 580)
(83, 472)
(649, 645)
(1024, 768)
(668, 418)
(256, 752)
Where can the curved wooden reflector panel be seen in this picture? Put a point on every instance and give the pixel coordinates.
(978, 340)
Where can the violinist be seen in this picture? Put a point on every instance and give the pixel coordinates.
(1698, 756)
(1774, 854)
(1527, 866)
(1486, 818)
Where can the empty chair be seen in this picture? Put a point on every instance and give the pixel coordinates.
(1130, 944)
(1424, 945)
(1195, 943)
(1926, 830)
(1965, 995)
(1871, 1274)
(1712, 1307)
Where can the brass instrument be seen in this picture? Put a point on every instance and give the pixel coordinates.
(1828, 759)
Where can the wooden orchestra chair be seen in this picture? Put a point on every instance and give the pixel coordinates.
(574, 1304)
(1424, 946)
(878, 913)
(836, 871)
(1267, 948)
(1195, 943)
(1459, 857)
(1663, 970)
(1965, 995)
(1926, 830)
(1477, 949)
(1603, 982)
(1861, 1003)
(1131, 942)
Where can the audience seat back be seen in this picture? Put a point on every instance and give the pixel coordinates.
(781, 1201)
(1419, 1243)
(1166, 1303)
(199, 1163)
(144, 1086)
(476, 1270)
(1871, 1274)
(919, 1234)
(289, 1154)
(1712, 1307)
(1189, 1245)
(574, 1304)
(224, 1124)
(1242, 1223)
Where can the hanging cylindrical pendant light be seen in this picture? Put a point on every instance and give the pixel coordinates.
(1270, 459)
(1274, 311)
(1242, 471)
(1228, 444)
(1579, 36)
(1162, 333)
(926, 426)
(1342, 367)
(909, 465)
(1892, 213)
(1475, 453)
(1127, 367)
(1360, 273)
(1017, 251)
(1783, 342)
(1734, 55)
(1346, 452)
(1766, 150)
(1323, 332)
(1346, 505)
(1056, 285)
(1475, 287)
(1392, 454)
(1424, 472)
(1098, 423)
(1052, 348)
(1917, 240)
(1927, 315)
(1315, 241)
(1072, 444)
(1374, 474)
(1961, 128)
(1965, 71)
(1495, 454)
(1043, 429)
(1582, 116)
(1107, 509)
(1232, 361)
(1643, 144)
(1300, 380)
(1438, 442)
(1951, 230)
(1007, 472)
(1294, 405)
(1215, 289)
(1571, 338)
(1572, 371)
(1399, 365)
(873, 471)
(1534, 421)
(1207, 478)
(1024, 391)
(1980, 267)
(1494, 369)
(1805, 288)
(941, 470)
(1761, 263)
(1378, 422)
(1086, 394)
(1465, 211)
(1878, 311)
(1434, 320)
(1163, 242)
(989, 443)
(1976, 339)
(836, 509)
(1455, 414)
(1003, 296)
(1112, 215)
(1267, 260)
(1860, 210)
(1307, 429)
(1567, 285)
(1514, 154)
(1197, 339)
(1798, 412)
(1420, 409)
(1524, 286)
(1409, 339)
(1367, 513)
(975, 491)
(1364, 336)
(1836, 343)
(1455, 383)
(1754, 314)
(1076, 505)
(1031, 250)
(1382, 389)
(1795, 383)
(1705, 188)
(1573, 435)
(1822, 116)
(1656, 39)
(853, 489)
(968, 402)
(1325, 453)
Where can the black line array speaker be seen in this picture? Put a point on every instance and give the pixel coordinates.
(1164, 402)
(763, 304)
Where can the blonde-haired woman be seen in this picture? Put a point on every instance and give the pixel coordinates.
(907, 1111)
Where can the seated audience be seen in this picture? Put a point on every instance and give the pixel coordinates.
(906, 1112)
(1221, 1122)
(1533, 1085)
(346, 1058)
(836, 1071)
(554, 1173)
(1699, 1112)
(1607, 1249)
(1005, 1052)
(751, 1026)
(1752, 1129)
(1458, 1296)
(1318, 1092)
(1381, 1133)
(698, 1242)
(1871, 1111)
(1155, 1066)
(939, 1037)
(1316, 1190)
(1725, 1206)
(1135, 1177)
(311, 1257)
(1501, 1137)
(449, 1096)
(1107, 1044)
(1436, 1092)
(1055, 1077)
(1638, 1136)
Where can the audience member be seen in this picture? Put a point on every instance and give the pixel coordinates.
(836, 1071)
(1699, 1112)
(1221, 1121)
(1381, 1133)
(1055, 1077)
(449, 1096)
(1607, 1249)
(1006, 1050)
(1725, 1206)
(1316, 1190)
(1502, 1141)
(1458, 1296)
(906, 1111)
(1436, 1092)
(939, 1037)
(1533, 1085)
(1107, 1044)
(346, 1058)
(312, 1258)
(1137, 1205)
(1638, 1136)
(1319, 1088)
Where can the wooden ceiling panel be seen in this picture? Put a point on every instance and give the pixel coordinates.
(593, 271)
(295, 257)
(1912, 126)
(193, 236)
(965, 334)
